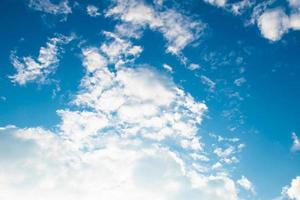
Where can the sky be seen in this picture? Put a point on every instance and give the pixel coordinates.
(154, 100)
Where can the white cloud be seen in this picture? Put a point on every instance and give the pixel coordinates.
(193, 66)
(31, 70)
(168, 68)
(246, 184)
(120, 146)
(292, 191)
(177, 29)
(92, 11)
(239, 7)
(219, 3)
(294, 4)
(52, 8)
(240, 81)
(273, 24)
(296, 142)
(208, 82)
(118, 50)
(117, 169)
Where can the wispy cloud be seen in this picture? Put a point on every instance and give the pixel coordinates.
(92, 11)
(177, 29)
(61, 8)
(38, 70)
(296, 142)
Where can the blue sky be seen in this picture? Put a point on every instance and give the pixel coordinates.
(197, 99)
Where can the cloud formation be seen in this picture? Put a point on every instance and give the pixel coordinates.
(296, 142)
(92, 11)
(292, 191)
(177, 29)
(134, 135)
(37, 70)
(61, 8)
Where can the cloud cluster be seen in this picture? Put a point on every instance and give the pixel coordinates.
(134, 136)
(177, 29)
(61, 8)
(292, 192)
(38, 70)
(246, 184)
(274, 23)
(296, 142)
(92, 11)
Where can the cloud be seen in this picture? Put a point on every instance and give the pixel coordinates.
(219, 3)
(134, 135)
(240, 81)
(117, 169)
(31, 70)
(208, 82)
(273, 24)
(193, 66)
(177, 29)
(61, 8)
(246, 184)
(292, 191)
(296, 143)
(92, 11)
(168, 68)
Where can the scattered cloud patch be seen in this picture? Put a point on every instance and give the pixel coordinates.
(273, 24)
(240, 81)
(208, 82)
(37, 70)
(219, 3)
(177, 29)
(292, 191)
(296, 142)
(193, 66)
(168, 68)
(61, 8)
(92, 11)
(246, 184)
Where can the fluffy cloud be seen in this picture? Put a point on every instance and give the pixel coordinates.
(92, 11)
(219, 3)
(273, 24)
(177, 29)
(296, 142)
(117, 169)
(31, 70)
(292, 191)
(128, 142)
(246, 184)
(48, 7)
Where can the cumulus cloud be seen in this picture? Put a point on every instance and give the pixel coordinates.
(246, 184)
(92, 11)
(60, 8)
(273, 24)
(292, 191)
(296, 143)
(177, 29)
(37, 70)
(134, 135)
(219, 3)
(117, 169)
